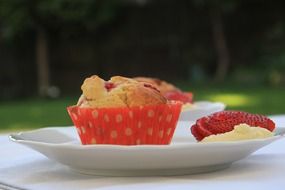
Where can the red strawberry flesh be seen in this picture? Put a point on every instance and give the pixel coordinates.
(109, 86)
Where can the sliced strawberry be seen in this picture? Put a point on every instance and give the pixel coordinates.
(185, 97)
(224, 121)
(195, 132)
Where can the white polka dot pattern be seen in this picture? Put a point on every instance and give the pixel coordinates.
(168, 131)
(150, 113)
(93, 141)
(139, 124)
(83, 130)
(149, 131)
(131, 114)
(128, 131)
(138, 141)
(119, 118)
(99, 131)
(114, 134)
(95, 114)
(126, 126)
(169, 117)
(160, 134)
(90, 124)
(106, 118)
(75, 116)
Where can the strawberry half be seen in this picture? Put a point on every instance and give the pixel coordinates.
(224, 121)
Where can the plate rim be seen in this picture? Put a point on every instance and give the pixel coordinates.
(216, 104)
(16, 137)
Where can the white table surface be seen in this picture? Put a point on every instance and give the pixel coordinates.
(23, 168)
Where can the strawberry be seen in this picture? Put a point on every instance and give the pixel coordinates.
(109, 86)
(185, 97)
(224, 121)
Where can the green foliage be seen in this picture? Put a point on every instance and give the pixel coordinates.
(90, 13)
(14, 17)
(224, 5)
(34, 113)
(255, 99)
(17, 16)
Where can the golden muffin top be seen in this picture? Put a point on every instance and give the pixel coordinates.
(118, 92)
(163, 86)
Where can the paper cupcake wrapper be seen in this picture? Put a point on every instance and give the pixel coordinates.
(126, 126)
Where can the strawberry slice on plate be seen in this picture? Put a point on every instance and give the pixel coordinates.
(224, 121)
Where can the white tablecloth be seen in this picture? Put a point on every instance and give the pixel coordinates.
(23, 168)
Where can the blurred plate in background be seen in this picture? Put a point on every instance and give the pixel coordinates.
(200, 109)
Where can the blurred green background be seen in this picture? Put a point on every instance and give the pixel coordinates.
(231, 51)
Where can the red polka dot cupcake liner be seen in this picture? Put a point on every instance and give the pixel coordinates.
(126, 126)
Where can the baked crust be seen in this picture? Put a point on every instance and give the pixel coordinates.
(118, 92)
(163, 86)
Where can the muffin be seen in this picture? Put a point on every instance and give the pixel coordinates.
(123, 111)
(168, 90)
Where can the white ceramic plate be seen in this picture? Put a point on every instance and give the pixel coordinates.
(183, 156)
(200, 109)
